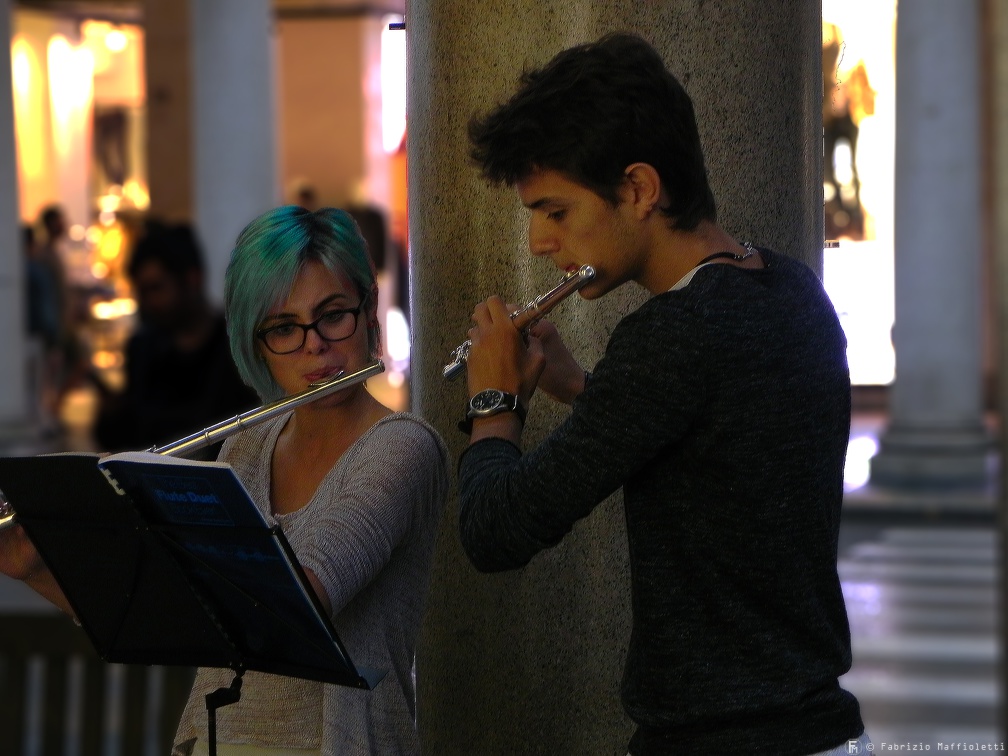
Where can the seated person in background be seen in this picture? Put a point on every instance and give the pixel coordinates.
(357, 489)
(180, 377)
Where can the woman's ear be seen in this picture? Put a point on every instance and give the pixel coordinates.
(642, 188)
(374, 326)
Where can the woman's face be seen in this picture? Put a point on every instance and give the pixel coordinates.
(317, 293)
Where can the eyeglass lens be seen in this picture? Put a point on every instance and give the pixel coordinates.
(335, 325)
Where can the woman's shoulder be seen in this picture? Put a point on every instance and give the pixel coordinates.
(405, 427)
(402, 446)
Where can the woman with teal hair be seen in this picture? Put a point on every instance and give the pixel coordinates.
(357, 489)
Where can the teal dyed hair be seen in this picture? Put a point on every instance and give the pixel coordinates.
(266, 259)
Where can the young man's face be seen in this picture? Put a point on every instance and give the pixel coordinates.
(574, 226)
(160, 295)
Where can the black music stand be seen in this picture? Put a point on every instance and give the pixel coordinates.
(166, 561)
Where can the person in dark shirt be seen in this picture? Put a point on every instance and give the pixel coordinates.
(721, 407)
(180, 377)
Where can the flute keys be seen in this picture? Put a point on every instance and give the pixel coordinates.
(458, 363)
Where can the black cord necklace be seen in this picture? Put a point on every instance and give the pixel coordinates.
(750, 250)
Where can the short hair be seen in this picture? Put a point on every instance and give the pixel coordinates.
(174, 246)
(50, 214)
(265, 261)
(589, 113)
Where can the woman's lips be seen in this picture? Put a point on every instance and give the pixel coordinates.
(317, 376)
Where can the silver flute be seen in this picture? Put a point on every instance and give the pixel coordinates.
(526, 317)
(226, 428)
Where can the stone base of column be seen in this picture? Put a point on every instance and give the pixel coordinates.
(928, 459)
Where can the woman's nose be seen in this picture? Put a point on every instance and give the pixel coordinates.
(314, 341)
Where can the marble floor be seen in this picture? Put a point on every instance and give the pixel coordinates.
(921, 577)
(922, 599)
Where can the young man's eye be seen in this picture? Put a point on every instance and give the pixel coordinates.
(557, 215)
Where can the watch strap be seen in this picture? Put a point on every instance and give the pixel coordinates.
(466, 423)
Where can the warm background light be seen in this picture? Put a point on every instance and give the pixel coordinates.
(71, 87)
(28, 104)
(116, 40)
(393, 85)
(858, 273)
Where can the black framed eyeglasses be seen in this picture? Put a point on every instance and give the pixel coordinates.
(334, 325)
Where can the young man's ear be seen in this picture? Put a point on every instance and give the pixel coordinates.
(642, 188)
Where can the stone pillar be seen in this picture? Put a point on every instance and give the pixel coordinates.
(936, 435)
(234, 134)
(168, 64)
(996, 19)
(15, 404)
(530, 661)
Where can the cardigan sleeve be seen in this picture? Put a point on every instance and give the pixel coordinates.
(395, 484)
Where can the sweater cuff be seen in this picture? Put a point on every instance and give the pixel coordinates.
(484, 442)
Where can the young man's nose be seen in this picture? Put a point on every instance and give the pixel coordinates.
(541, 241)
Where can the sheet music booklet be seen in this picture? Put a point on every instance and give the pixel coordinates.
(168, 561)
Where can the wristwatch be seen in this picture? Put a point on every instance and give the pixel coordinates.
(490, 402)
(494, 401)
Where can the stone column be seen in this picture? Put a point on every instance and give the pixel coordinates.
(530, 661)
(936, 435)
(168, 63)
(234, 134)
(15, 405)
(997, 23)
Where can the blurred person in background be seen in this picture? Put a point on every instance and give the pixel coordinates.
(180, 377)
(64, 360)
(42, 321)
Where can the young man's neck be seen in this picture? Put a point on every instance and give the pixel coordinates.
(675, 253)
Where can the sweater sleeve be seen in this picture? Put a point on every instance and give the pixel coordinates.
(644, 394)
(394, 485)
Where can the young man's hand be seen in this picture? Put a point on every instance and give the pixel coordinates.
(563, 378)
(499, 357)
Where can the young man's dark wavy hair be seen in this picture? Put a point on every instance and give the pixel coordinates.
(589, 113)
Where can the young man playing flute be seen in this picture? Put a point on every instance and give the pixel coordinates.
(721, 407)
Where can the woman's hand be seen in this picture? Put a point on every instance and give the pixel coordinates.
(20, 560)
(18, 556)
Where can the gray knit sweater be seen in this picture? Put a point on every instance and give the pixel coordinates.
(368, 534)
(722, 409)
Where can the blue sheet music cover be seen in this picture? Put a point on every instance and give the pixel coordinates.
(183, 492)
(205, 510)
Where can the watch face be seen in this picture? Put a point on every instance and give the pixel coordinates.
(486, 401)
